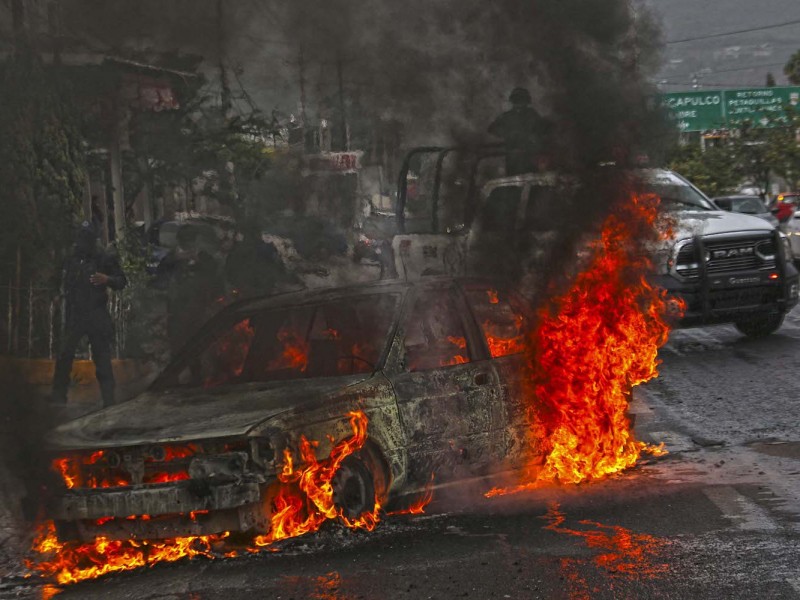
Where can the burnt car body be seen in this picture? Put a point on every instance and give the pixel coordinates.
(434, 365)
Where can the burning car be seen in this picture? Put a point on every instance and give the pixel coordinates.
(432, 366)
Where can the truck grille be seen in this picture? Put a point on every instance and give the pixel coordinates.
(728, 256)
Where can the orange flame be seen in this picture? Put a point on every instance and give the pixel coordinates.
(299, 513)
(231, 353)
(458, 359)
(458, 341)
(295, 352)
(71, 563)
(418, 506)
(593, 343)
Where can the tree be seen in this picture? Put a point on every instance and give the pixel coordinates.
(42, 167)
(712, 170)
(770, 80)
(784, 151)
(792, 68)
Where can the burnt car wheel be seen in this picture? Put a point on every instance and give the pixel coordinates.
(760, 326)
(354, 488)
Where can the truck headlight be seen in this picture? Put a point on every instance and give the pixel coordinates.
(788, 255)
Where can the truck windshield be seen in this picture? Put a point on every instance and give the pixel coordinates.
(676, 193)
(340, 337)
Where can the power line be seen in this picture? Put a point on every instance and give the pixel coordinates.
(726, 33)
(736, 70)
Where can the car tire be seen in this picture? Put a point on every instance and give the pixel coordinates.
(354, 488)
(758, 326)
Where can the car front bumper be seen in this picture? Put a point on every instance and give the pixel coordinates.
(728, 298)
(189, 507)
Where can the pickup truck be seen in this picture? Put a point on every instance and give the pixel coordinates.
(727, 267)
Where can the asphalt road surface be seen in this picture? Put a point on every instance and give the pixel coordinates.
(719, 517)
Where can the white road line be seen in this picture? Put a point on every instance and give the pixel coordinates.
(746, 514)
(795, 583)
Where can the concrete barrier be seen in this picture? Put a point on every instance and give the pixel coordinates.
(39, 371)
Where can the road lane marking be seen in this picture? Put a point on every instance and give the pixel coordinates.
(795, 584)
(743, 512)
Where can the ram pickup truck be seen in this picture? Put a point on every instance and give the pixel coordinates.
(727, 267)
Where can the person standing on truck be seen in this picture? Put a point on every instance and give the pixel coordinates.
(88, 273)
(523, 130)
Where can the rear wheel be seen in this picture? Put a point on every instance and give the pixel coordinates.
(760, 325)
(354, 488)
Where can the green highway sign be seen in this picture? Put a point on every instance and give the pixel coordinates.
(696, 111)
(760, 106)
(708, 110)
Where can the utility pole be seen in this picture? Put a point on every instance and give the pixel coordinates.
(342, 114)
(301, 72)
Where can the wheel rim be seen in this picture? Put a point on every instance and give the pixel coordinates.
(351, 491)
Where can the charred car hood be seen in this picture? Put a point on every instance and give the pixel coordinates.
(184, 415)
(690, 223)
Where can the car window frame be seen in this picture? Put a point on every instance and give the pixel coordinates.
(516, 301)
(232, 315)
(395, 366)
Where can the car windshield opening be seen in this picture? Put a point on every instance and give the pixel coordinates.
(678, 195)
(340, 337)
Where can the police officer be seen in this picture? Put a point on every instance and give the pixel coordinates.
(523, 130)
(88, 272)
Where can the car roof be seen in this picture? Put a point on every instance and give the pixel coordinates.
(330, 293)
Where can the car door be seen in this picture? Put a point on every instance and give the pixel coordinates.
(445, 388)
(504, 324)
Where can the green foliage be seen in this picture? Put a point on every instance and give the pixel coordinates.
(196, 143)
(792, 68)
(784, 152)
(749, 154)
(42, 171)
(713, 171)
(770, 82)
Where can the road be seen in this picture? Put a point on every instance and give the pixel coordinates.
(718, 517)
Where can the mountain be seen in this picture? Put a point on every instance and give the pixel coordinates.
(730, 61)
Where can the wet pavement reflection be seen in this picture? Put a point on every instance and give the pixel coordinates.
(619, 552)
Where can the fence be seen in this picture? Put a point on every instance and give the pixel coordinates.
(33, 323)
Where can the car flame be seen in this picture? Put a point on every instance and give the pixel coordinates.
(592, 344)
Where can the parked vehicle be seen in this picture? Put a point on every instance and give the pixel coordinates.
(791, 227)
(434, 366)
(784, 206)
(748, 205)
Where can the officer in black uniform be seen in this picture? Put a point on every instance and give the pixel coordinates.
(523, 130)
(87, 275)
